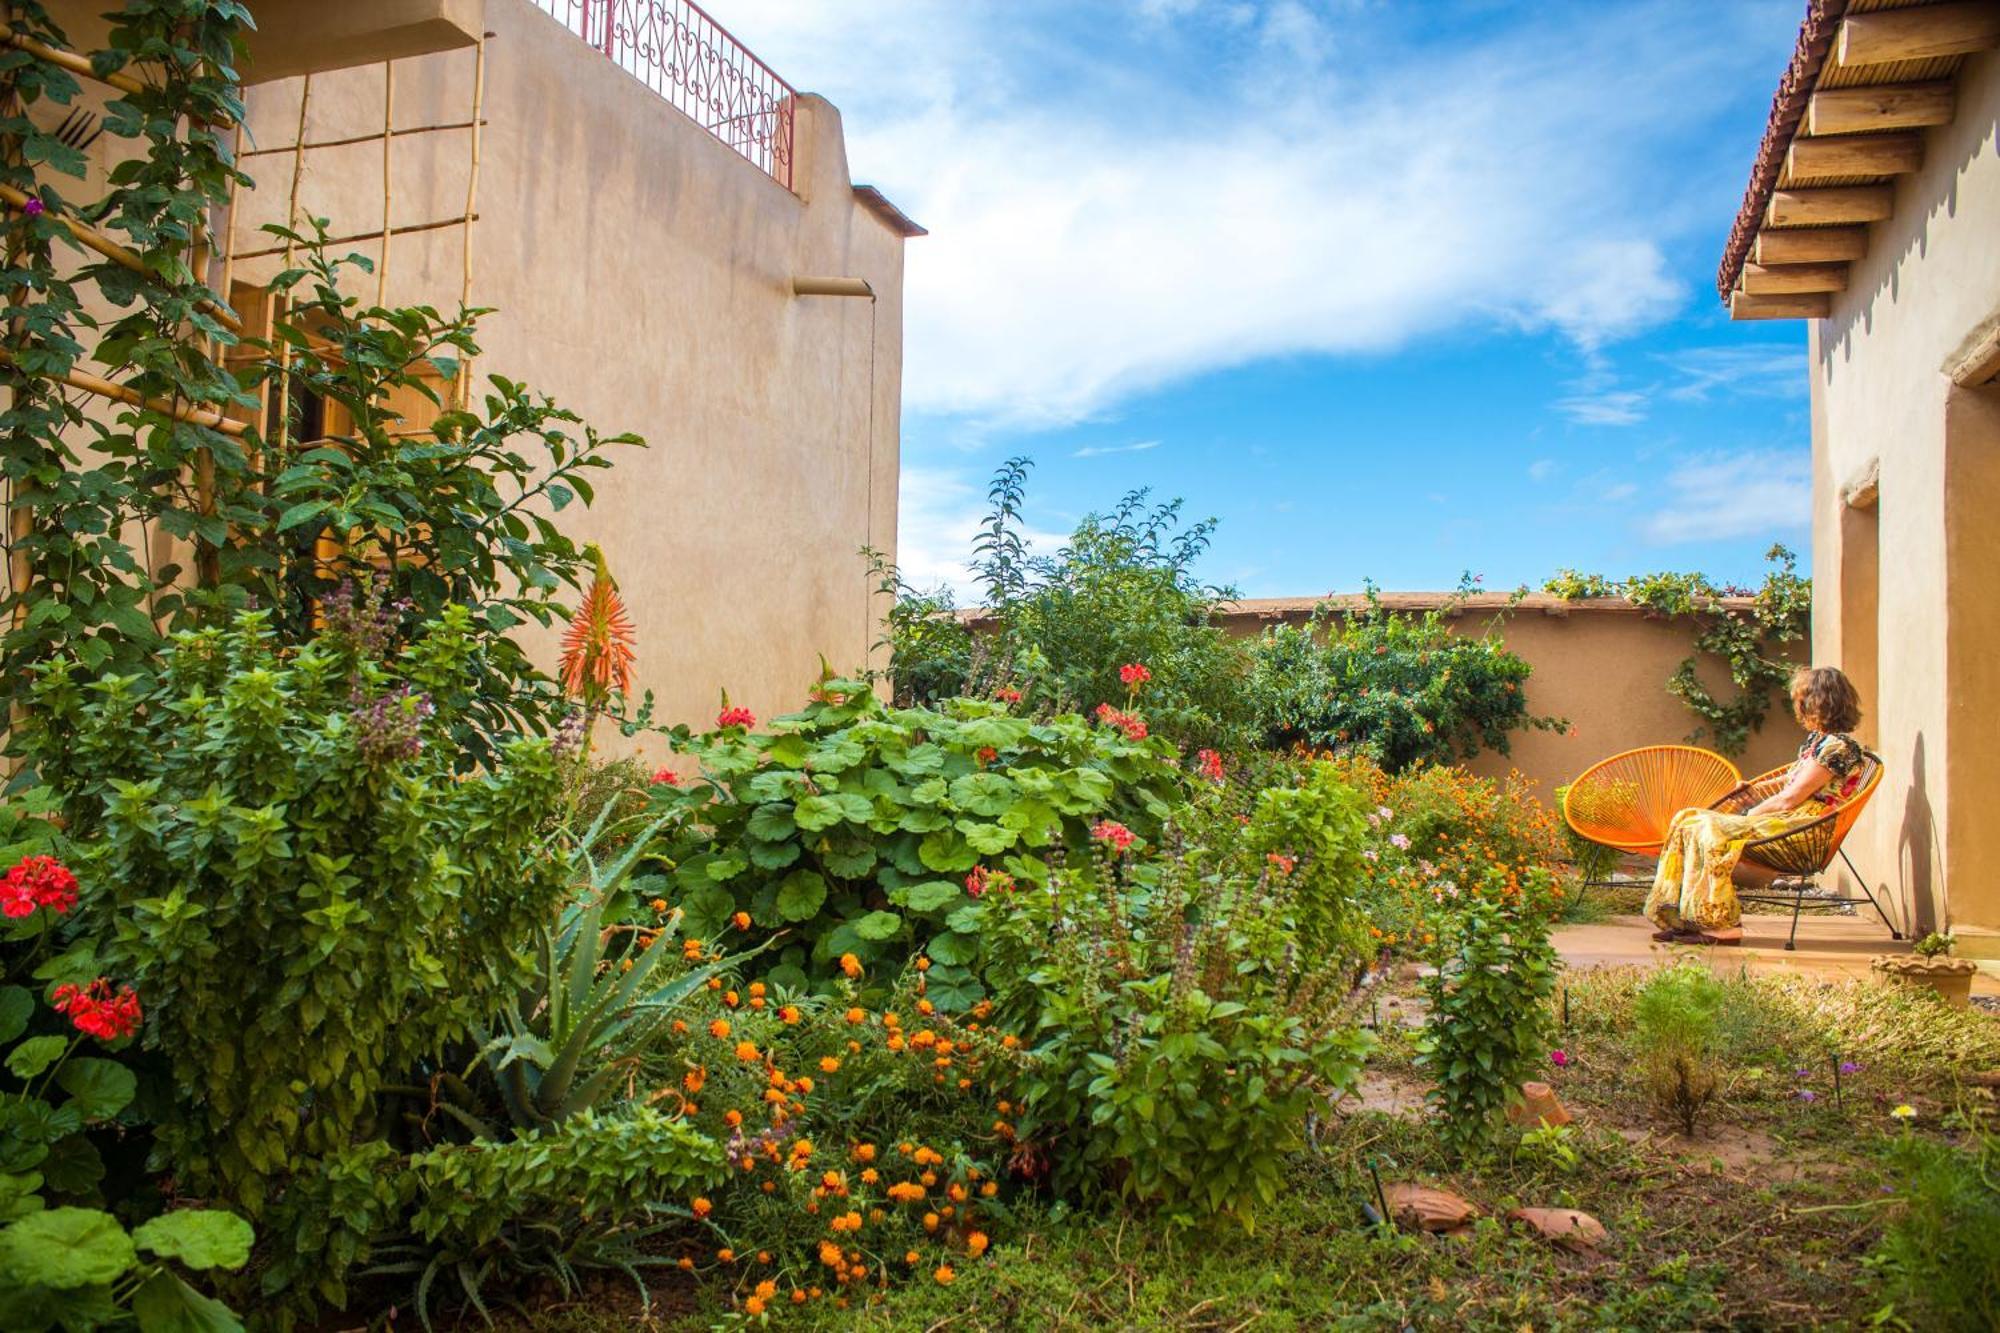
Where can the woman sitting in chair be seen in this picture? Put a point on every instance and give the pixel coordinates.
(1694, 894)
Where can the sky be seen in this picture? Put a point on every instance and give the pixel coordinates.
(1395, 289)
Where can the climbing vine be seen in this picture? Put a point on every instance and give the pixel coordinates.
(1744, 637)
(147, 494)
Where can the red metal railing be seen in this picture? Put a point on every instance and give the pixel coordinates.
(677, 50)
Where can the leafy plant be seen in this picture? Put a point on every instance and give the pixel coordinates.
(1056, 629)
(868, 830)
(1400, 689)
(1939, 1259)
(1314, 828)
(585, 1194)
(1681, 1016)
(1750, 641)
(1176, 1041)
(1489, 1020)
(1934, 945)
(286, 864)
(80, 1268)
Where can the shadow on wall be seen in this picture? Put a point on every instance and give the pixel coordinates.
(1917, 851)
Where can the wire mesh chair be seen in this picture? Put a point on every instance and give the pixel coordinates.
(1802, 855)
(1628, 800)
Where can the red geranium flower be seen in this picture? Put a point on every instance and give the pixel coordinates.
(1134, 674)
(663, 777)
(1209, 764)
(736, 717)
(1111, 832)
(96, 1012)
(37, 881)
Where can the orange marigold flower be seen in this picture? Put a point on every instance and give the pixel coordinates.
(850, 965)
(732, 1117)
(746, 1050)
(695, 1078)
(719, 1028)
(805, 1085)
(828, 1065)
(913, 1258)
(658, 905)
(990, 1188)
(944, 1275)
(930, 1221)
(726, 1255)
(789, 1013)
(756, 988)
(864, 1152)
(741, 920)
(976, 1243)
(754, 1305)
(685, 1263)
(923, 965)
(731, 998)
(870, 1176)
(856, 1017)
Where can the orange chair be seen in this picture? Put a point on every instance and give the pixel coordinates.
(1628, 800)
(1803, 854)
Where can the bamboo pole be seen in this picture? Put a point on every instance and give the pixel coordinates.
(104, 388)
(404, 230)
(353, 139)
(388, 178)
(464, 394)
(75, 64)
(96, 240)
(291, 226)
(20, 517)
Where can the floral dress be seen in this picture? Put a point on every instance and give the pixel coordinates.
(1694, 887)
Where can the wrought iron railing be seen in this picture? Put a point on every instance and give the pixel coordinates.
(677, 50)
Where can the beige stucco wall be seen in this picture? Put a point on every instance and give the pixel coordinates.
(1601, 664)
(1928, 557)
(641, 275)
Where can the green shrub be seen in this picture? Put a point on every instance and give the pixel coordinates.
(280, 856)
(1318, 824)
(1489, 1022)
(1681, 1018)
(1177, 1039)
(1400, 689)
(1059, 628)
(1939, 1262)
(856, 826)
(584, 1195)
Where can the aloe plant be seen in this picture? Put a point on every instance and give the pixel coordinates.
(582, 1025)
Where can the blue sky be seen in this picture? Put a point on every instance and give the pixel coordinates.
(1396, 289)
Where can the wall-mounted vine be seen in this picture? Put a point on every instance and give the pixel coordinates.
(1744, 637)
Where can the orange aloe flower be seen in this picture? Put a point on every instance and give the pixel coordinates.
(598, 650)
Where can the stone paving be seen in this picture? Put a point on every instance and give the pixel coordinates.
(1829, 946)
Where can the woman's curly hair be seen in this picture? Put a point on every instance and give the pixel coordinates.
(1824, 699)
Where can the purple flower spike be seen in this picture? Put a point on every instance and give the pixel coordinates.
(1807, 1095)
(1849, 1067)
(1802, 1073)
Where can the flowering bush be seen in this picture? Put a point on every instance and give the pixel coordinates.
(1117, 608)
(1176, 1038)
(867, 830)
(1399, 689)
(306, 912)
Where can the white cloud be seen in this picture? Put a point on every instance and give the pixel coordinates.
(1617, 491)
(938, 518)
(1611, 407)
(1099, 450)
(1733, 495)
(1177, 189)
(1541, 469)
(1758, 370)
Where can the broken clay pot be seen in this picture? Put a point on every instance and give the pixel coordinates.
(1427, 1209)
(1567, 1227)
(1538, 1106)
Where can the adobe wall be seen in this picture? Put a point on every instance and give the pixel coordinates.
(1906, 577)
(1603, 664)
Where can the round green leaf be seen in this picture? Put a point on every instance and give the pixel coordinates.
(878, 926)
(65, 1248)
(198, 1237)
(987, 794)
(165, 1304)
(801, 895)
(953, 948)
(931, 895)
(34, 1055)
(100, 1088)
(772, 823)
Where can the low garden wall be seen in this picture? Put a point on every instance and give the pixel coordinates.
(1602, 663)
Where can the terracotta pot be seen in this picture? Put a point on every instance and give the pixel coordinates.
(1951, 978)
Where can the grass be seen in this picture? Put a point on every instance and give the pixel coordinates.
(1764, 1220)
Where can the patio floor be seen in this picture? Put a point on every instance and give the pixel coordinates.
(1829, 946)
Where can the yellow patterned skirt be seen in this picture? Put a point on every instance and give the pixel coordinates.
(1694, 887)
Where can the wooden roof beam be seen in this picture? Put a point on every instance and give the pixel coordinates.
(1923, 33)
(1854, 155)
(1830, 205)
(1791, 279)
(1809, 245)
(1810, 305)
(1888, 106)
